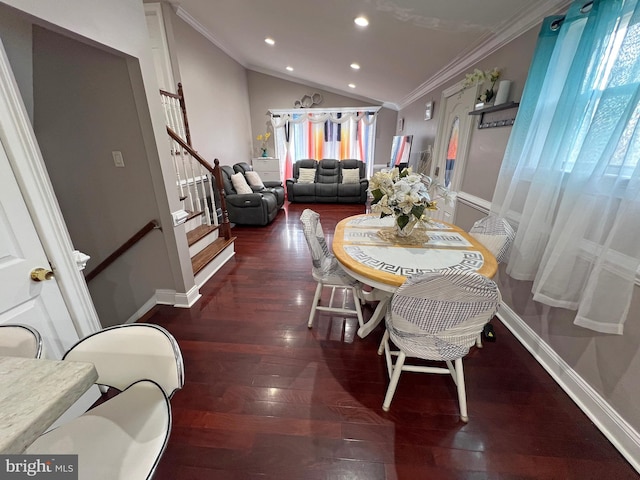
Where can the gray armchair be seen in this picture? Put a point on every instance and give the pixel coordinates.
(248, 208)
(275, 188)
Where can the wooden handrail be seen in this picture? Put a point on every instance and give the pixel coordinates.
(152, 225)
(169, 94)
(189, 150)
(183, 107)
(216, 172)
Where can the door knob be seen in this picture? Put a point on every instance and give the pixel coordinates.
(41, 274)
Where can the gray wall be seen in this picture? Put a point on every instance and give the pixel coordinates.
(119, 26)
(267, 92)
(84, 109)
(610, 364)
(15, 32)
(216, 94)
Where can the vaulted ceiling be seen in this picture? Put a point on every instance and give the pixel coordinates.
(408, 48)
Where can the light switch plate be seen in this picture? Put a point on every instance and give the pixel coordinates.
(118, 160)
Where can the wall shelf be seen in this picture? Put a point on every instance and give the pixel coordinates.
(495, 108)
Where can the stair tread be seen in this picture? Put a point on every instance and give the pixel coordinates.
(193, 214)
(201, 259)
(200, 232)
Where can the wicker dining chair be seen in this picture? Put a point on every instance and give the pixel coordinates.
(327, 272)
(497, 235)
(17, 340)
(437, 316)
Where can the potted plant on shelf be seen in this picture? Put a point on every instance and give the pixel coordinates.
(480, 77)
(263, 137)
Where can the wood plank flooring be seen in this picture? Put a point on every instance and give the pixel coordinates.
(266, 398)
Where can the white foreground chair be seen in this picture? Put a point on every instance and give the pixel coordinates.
(124, 437)
(17, 340)
(497, 235)
(327, 271)
(437, 316)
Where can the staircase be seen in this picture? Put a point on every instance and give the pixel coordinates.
(199, 187)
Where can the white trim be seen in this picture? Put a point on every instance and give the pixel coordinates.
(197, 26)
(299, 111)
(474, 202)
(213, 266)
(187, 300)
(165, 297)
(155, 10)
(175, 299)
(148, 305)
(622, 435)
(507, 33)
(18, 138)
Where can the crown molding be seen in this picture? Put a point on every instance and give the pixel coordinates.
(509, 31)
(190, 20)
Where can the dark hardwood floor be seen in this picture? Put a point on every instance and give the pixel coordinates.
(266, 398)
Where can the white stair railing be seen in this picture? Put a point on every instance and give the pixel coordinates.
(193, 180)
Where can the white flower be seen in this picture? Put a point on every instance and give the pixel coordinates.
(404, 195)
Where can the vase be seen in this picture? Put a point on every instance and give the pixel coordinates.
(407, 230)
(503, 92)
(264, 152)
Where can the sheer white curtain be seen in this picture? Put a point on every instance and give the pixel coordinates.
(570, 179)
(338, 133)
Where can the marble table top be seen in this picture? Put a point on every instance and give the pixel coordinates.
(34, 393)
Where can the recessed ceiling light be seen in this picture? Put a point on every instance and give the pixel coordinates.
(352, 85)
(355, 66)
(290, 69)
(270, 41)
(361, 21)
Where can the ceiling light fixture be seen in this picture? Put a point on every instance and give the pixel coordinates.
(355, 66)
(270, 41)
(290, 69)
(361, 21)
(352, 85)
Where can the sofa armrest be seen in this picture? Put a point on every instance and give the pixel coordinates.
(244, 200)
(272, 184)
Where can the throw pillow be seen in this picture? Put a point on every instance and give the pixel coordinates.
(306, 175)
(351, 175)
(240, 184)
(254, 179)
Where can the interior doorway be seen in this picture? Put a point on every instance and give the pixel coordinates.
(452, 143)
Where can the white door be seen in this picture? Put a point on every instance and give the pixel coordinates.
(452, 143)
(23, 300)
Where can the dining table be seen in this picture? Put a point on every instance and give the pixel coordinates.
(367, 249)
(34, 393)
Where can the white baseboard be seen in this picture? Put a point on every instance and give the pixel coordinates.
(187, 300)
(148, 305)
(216, 264)
(165, 297)
(622, 435)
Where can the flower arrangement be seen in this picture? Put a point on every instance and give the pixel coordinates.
(406, 196)
(263, 137)
(479, 77)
